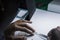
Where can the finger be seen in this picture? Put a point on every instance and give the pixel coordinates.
(27, 31)
(30, 28)
(22, 21)
(24, 29)
(27, 26)
(26, 21)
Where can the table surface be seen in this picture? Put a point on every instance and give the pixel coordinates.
(43, 21)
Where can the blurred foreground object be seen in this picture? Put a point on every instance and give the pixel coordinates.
(54, 6)
(54, 34)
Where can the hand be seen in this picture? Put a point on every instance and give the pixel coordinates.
(19, 25)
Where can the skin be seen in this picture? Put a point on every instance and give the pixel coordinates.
(19, 25)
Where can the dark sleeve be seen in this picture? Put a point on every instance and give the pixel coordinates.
(9, 13)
